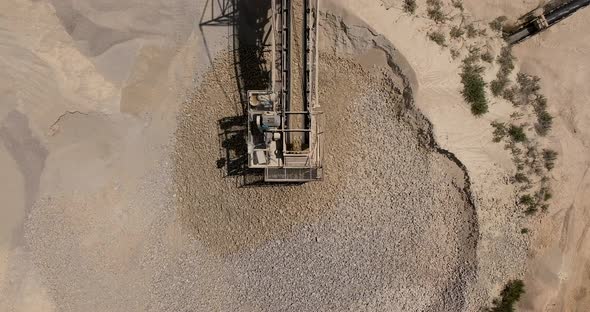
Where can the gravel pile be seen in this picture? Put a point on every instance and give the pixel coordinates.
(389, 228)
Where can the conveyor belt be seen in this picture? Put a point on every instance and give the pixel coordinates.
(552, 17)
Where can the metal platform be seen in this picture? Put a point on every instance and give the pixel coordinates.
(284, 128)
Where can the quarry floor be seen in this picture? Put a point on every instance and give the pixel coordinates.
(119, 192)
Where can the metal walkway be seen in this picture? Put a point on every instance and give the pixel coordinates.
(284, 126)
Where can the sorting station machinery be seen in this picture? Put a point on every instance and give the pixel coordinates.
(284, 121)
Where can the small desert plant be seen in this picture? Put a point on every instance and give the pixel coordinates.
(474, 88)
(526, 200)
(458, 4)
(549, 156)
(545, 194)
(456, 32)
(498, 85)
(410, 6)
(509, 94)
(544, 122)
(438, 37)
(516, 133)
(455, 53)
(529, 85)
(487, 57)
(506, 61)
(471, 31)
(540, 102)
(508, 297)
(531, 210)
(434, 11)
(473, 56)
(498, 23)
(524, 231)
(521, 178)
(499, 131)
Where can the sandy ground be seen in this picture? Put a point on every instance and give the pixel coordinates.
(558, 277)
(557, 261)
(89, 95)
(105, 209)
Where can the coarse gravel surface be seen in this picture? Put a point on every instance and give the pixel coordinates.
(389, 228)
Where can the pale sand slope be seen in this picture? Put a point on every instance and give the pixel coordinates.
(558, 276)
(88, 93)
(501, 248)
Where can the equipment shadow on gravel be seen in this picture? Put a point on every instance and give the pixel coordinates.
(249, 24)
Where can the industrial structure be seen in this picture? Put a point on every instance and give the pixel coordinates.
(542, 18)
(284, 121)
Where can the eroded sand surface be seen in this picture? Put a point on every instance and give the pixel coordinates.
(89, 93)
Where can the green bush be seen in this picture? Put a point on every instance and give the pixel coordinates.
(434, 11)
(438, 37)
(471, 31)
(474, 88)
(456, 32)
(521, 178)
(473, 56)
(547, 195)
(544, 122)
(531, 210)
(517, 133)
(527, 200)
(410, 6)
(544, 119)
(540, 102)
(498, 23)
(487, 57)
(549, 156)
(529, 85)
(498, 85)
(508, 297)
(506, 61)
(499, 131)
(510, 95)
(524, 231)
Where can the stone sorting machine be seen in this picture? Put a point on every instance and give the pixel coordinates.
(284, 121)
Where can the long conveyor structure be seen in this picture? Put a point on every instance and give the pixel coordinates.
(538, 20)
(284, 121)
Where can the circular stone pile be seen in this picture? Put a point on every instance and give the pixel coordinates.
(388, 229)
